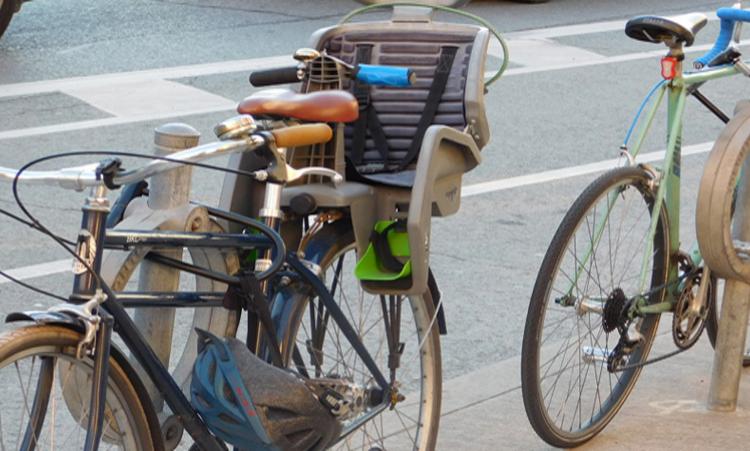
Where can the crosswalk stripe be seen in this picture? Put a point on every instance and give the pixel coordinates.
(98, 123)
(135, 98)
(168, 73)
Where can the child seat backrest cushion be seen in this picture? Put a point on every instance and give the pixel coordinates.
(416, 45)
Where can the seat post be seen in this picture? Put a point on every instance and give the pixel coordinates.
(675, 51)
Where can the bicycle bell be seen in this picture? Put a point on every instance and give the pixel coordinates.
(234, 127)
(305, 55)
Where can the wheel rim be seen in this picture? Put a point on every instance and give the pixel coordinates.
(409, 425)
(64, 424)
(579, 395)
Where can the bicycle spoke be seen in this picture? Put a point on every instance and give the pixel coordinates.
(599, 248)
(389, 429)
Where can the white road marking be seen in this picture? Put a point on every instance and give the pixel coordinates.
(59, 266)
(578, 29)
(542, 52)
(98, 123)
(603, 60)
(573, 171)
(567, 30)
(40, 270)
(135, 98)
(167, 73)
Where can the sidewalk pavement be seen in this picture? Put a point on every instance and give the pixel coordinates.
(666, 410)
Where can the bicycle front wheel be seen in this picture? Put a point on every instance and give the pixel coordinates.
(314, 345)
(42, 406)
(591, 271)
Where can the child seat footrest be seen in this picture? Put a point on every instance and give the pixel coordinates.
(387, 256)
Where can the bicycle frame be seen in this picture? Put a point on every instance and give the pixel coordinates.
(112, 314)
(677, 90)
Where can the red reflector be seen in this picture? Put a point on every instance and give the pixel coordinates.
(668, 67)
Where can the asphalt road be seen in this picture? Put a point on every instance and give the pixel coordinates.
(574, 84)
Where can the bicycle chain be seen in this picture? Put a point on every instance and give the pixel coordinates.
(649, 362)
(679, 279)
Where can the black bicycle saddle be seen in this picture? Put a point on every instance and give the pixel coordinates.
(682, 28)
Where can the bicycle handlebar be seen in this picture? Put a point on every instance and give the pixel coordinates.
(728, 18)
(384, 75)
(302, 135)
(80, 177)
(276, 76)
(366, 73)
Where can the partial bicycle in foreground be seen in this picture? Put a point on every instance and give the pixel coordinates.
(321, 243)
(615, 263)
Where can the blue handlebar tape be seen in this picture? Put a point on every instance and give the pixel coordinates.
(728, 17)
(384, 75)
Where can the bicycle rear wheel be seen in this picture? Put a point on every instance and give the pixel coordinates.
(590, 271)
(313, 344)
(37, 366)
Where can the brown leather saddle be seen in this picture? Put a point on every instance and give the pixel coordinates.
(319, 106)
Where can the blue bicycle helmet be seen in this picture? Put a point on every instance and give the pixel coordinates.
(253, 405)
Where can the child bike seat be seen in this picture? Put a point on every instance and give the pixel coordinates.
(321, 106)
(682, 28)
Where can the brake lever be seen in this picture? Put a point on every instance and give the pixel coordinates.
(296, 174)
(293, 174)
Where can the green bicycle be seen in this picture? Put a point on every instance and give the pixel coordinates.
(615, 264)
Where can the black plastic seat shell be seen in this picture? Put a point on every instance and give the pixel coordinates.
(658, 29)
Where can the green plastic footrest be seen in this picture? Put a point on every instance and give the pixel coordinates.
(370, 269)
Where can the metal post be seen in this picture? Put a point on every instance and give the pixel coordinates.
(166, 190)
(735, 306)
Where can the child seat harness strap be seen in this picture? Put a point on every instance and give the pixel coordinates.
(368, 117)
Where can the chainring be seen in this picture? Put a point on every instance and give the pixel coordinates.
(687, 326)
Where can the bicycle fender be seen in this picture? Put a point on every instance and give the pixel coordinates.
(47, 317)
(432, 286)
(69, 321)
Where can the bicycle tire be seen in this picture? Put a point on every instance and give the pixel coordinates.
(339, 239)
(125, 396)
(536, 402)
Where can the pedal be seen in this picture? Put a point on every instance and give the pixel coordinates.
(334, 402)
(344, 399)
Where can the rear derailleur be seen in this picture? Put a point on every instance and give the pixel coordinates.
(616, 315)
